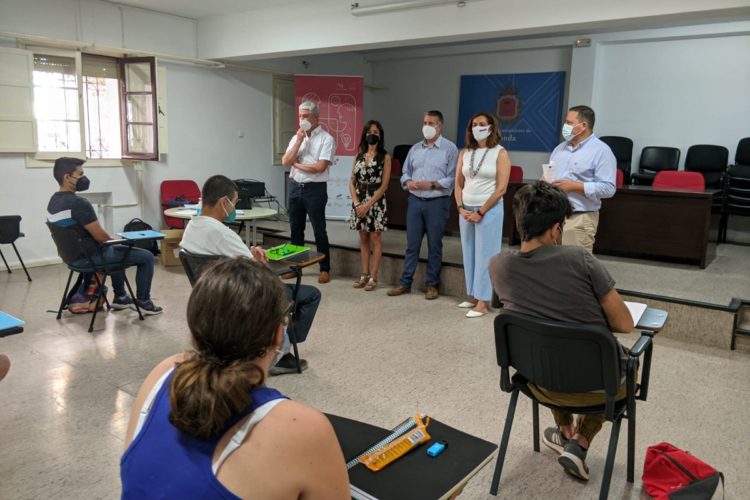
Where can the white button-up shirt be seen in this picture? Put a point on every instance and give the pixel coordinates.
(319, 145)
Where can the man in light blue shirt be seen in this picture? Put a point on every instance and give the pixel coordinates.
(428, 174)
(585, 168)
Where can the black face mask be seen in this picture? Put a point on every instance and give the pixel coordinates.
(82, 184)
(372, 139)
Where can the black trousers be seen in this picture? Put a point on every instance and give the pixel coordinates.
(309, 199)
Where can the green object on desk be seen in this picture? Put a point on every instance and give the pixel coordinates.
(285, 251)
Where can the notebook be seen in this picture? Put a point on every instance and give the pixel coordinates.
(285, 251)
(142, 235)
(9, 324)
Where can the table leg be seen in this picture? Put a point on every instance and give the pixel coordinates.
(255, 234)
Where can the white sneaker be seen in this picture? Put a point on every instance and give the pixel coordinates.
(466, 304)
(475, 314)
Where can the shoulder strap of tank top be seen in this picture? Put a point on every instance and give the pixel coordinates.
(241, 433)
(149, 401)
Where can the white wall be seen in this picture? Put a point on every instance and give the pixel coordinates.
(422, 80)
(328, 25)
(675, 92)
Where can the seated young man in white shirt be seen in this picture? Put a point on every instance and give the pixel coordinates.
(206, 234)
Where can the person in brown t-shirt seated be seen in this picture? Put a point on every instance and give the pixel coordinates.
(561, 283)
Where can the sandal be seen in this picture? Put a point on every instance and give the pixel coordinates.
(372, 284)
(362, 281)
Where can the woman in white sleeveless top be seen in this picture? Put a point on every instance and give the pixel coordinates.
(482, 174)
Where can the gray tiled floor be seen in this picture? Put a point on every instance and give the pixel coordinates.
(66, 400)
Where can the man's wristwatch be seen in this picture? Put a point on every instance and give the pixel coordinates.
(432, 186)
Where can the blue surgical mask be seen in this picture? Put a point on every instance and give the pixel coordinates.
(230, 216)
(567, 132)
(283, 349)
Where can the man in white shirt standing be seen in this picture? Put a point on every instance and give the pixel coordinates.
(310, 154)
(206, 234)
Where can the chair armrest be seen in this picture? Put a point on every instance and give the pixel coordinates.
(641, 344)
(120, 241)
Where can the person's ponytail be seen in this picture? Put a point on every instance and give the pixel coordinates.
(206, 394)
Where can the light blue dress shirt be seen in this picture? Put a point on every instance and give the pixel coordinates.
(436, 163)
(590, 162)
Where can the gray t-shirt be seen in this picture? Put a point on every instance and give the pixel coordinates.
(561, 283)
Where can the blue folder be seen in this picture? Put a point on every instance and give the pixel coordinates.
(142, 235)
(9, 325)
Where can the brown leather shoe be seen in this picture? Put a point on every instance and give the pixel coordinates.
(324, 277)
(399, 290)
(289, 275)
(431, 293)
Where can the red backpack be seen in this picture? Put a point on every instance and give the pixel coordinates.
(672, 473)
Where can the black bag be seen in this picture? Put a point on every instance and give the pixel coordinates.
(138, 225)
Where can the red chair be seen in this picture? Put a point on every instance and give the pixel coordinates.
(620, 178)
(516, 173)
(395, 167)
(175, 193)
(693, 181)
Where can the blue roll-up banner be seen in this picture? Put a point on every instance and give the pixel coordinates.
(528, 107)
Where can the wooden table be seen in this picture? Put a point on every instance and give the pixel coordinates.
(646, 222)
(250, 215)
(640, 221)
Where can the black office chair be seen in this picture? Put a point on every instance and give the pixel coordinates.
(569, 357)
(709, 160)
(70, 247)
(653, 160)
(742, 155)
(736, 199)
(10, 231)
(622, 148)
(196, 264)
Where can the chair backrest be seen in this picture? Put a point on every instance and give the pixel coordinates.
(516, 173)
(737, 189)
(395, 167)
(619, 178)
(708, 159)
(693, 181)
(562, 357)
(173, 189)
(658, 158)
(68, 242)
(742, 156)
(622, 148)
(400, 152)
(10, 228)
(195, 264)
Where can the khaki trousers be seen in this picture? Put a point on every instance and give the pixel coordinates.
(586, 425)
(580, 230)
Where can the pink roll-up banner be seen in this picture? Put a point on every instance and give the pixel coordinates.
(339, 100)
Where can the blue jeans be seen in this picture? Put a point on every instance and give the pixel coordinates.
(425, 217)
(136, 257)
(309, 199)
(308, 300)
(479, 243)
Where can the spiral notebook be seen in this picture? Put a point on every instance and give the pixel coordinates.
(415, 475)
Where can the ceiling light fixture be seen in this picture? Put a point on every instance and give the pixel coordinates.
(357, 10)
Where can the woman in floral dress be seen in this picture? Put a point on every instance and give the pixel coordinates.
(370, 175)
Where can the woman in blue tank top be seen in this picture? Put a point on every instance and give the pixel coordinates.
(204, 425)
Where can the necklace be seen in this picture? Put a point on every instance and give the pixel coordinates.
(474, 171)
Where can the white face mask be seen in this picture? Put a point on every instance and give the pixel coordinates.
(429, 132)
(285, 346)
(481, 132)
(567, 132)
(305, 125)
